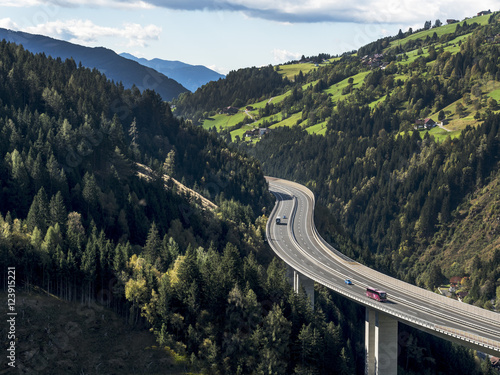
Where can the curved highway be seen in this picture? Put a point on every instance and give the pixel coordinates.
(297, 242)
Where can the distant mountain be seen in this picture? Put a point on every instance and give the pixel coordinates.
(190, 76)
(115, 67)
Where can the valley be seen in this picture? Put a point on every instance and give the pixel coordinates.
(406, 59)
(152, 208)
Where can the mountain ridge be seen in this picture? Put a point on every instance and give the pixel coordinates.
(190, 76)
(108, 62)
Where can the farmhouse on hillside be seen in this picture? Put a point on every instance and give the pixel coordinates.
(422, 124)
(484, 12)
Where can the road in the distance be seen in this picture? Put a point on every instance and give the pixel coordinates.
(297, 242)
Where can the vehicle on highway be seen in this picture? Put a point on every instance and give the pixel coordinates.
(376, 294)
(348, 282)
(278, 220)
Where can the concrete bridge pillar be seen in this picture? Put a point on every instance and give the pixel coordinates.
(369, 341)
(381, 343)
(298, 281)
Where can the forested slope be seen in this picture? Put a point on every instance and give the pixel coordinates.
(399, 193)
(119, 69)
(76, 221)
(419, 205)
(346, 129)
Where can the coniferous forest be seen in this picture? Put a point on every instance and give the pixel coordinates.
(78, 222)
(397, 194)
(410, 204)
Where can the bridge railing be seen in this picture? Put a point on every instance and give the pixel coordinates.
(467, 336)
(408, 288)
(447, 331)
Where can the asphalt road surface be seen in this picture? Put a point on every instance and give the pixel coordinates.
(297, 242)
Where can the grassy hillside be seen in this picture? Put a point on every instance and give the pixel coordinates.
(250, 117)
(413, 55)
(292, 70)
(440, 31)
(336, 90)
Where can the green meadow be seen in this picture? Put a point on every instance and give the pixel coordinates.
(222, 121)
(291, 70)
(336, 90)
(442, 30)
(456, 122)
(319, 129)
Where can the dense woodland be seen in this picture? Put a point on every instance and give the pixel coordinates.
(387, 195)
(77, 221)
(394, 193)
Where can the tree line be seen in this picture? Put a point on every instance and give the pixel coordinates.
(78, 221)
(393, 191)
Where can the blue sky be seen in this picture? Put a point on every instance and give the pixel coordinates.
(228, 34)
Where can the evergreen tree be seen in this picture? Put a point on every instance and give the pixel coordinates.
(57, 210)
(134, 134)
(90, 192)
(38, 215)
(169, 164)
(153, 245)
(274, 357)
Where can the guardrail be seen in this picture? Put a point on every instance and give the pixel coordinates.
(398, 283)
(408, 288)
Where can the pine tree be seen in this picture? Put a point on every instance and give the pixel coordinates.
(20, 187)
(90, 191)
(57, 210)
(75, 231)
(54, 173)
(36, 236)
(38, 215)
(153, 244)
(275, 354)
(170, 250)
(88, 268)
(37, 172)
(116, 132)
(134, 134)
(52, 239)
(120, 258)
(169, 164)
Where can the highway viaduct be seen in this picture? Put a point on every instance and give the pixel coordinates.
(311, 259)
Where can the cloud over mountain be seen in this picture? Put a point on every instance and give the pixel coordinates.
(85, 31)
(282, 55)
(299, 11)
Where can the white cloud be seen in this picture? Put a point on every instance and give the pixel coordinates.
(7, 23)
(282, 55)
(296, 11)
(21, 3)
(219, 69)
(118, 4)
(85, 32)
(362, 11)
